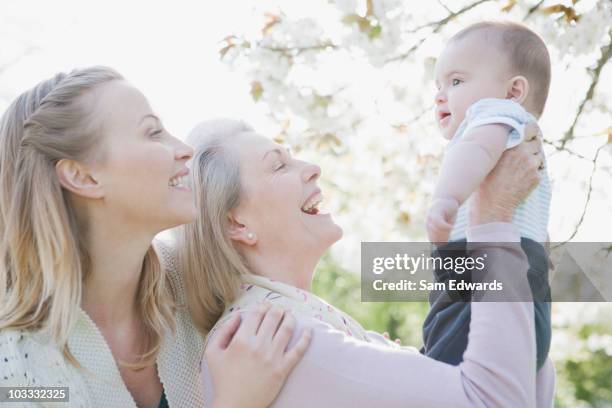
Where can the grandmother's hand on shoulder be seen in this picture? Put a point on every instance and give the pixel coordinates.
(248, 357)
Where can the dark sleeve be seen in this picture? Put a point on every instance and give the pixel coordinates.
(446, 327)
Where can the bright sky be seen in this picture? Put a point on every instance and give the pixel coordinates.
(169, 50)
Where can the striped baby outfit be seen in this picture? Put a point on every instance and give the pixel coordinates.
(531, 216)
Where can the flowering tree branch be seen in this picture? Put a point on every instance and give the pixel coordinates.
(312, 116)
(437, 26)
(290, 51)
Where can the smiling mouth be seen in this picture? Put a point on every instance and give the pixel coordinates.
(178, 181)
(311, 206)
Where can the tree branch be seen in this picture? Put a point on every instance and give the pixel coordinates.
(445, 6)
(606, 53)
(533, 9)
(589, 191)
(565, 149)
(441, 23)
(299, 50)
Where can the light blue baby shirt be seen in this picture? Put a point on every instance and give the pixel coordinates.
(531, 216)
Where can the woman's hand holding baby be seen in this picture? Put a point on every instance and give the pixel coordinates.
(510, 182)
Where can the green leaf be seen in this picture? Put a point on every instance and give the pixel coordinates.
(375, 31)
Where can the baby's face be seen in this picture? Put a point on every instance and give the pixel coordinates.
(467, 71)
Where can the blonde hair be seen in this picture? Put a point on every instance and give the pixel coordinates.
(212, 266)
(527, 55)
(43, 248)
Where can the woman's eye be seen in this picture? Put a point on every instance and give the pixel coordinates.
(156, 132)
(456, 82)
(280, 167)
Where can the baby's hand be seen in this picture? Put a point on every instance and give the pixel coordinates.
(441, 219)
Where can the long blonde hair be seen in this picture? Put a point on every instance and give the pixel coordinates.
(43, 248)
(212, 266)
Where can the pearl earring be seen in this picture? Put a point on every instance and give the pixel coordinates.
(250, 235)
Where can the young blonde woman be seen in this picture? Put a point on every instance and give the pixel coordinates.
(88, 177)
(259, 235)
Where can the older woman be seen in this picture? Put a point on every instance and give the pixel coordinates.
(259, 235)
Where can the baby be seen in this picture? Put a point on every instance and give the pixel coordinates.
(492, 79)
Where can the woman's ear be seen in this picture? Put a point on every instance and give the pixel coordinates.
(518, 89)
(78, 179)
(239, 232)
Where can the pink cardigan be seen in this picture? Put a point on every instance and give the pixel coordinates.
(498, 368)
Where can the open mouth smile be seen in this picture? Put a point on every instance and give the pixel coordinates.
(312, 204)
(179, 181)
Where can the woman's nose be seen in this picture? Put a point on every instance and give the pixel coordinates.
(182, 150)
(311, 172)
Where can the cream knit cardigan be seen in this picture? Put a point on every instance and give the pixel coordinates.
(28, 359)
